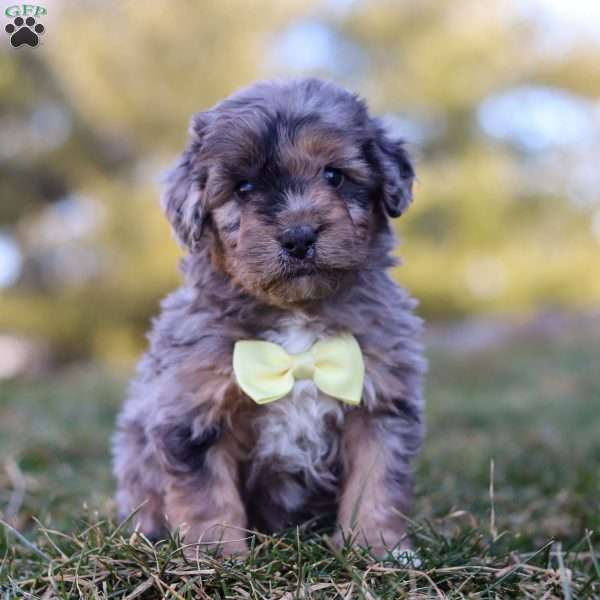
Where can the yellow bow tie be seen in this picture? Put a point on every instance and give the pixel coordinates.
(266, 372)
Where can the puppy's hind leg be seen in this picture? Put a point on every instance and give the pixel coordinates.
(139, 478)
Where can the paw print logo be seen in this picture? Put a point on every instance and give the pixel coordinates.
(24, 31)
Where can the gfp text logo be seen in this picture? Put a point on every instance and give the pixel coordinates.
(24, 29)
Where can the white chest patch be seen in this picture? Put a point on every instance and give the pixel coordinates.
(301, 430)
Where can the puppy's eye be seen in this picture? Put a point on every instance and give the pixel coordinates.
(243, 188)
(334, 177)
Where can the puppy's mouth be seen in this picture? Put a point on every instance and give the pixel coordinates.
(301, 270)
(301, 281)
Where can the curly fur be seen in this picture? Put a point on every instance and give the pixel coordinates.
(190, 447)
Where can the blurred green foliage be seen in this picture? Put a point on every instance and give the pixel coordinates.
(101, 107)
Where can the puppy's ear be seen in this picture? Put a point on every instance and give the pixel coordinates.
(396, 169)
(182, 198)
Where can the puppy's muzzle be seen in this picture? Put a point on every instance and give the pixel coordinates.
(299, 241)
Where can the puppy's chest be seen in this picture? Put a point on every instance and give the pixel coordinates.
(300, 431)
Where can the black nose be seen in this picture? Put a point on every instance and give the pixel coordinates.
(299, 241)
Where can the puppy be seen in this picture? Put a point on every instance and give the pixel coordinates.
(282, 199)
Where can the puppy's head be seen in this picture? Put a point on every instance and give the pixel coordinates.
(289, 184)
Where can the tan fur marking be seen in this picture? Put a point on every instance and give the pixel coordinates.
(366, 510)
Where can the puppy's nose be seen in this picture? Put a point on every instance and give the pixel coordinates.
(299, 241)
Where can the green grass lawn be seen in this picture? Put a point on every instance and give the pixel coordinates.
(531, 409)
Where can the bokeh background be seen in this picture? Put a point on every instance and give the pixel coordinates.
(498, 101)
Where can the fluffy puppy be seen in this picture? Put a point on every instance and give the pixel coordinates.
(282, 199)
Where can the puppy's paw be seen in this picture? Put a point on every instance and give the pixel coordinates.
(402, 555)
(217, 540)
(407, 557)
(340, 539)
(380, 544)
(233, 549)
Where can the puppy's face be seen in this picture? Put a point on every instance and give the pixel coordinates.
(293, 180)
(291, 207)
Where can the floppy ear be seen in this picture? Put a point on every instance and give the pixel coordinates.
(183, 189)
(397, 172)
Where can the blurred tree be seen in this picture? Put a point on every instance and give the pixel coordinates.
(484, 234)
(94, 116)
(90, 118)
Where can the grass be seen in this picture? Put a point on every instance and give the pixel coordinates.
(507, 504)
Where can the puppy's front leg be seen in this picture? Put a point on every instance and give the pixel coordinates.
(202, 497)
(377, 486)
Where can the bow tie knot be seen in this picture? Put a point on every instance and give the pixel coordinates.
(266, 372)
(303, 365)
